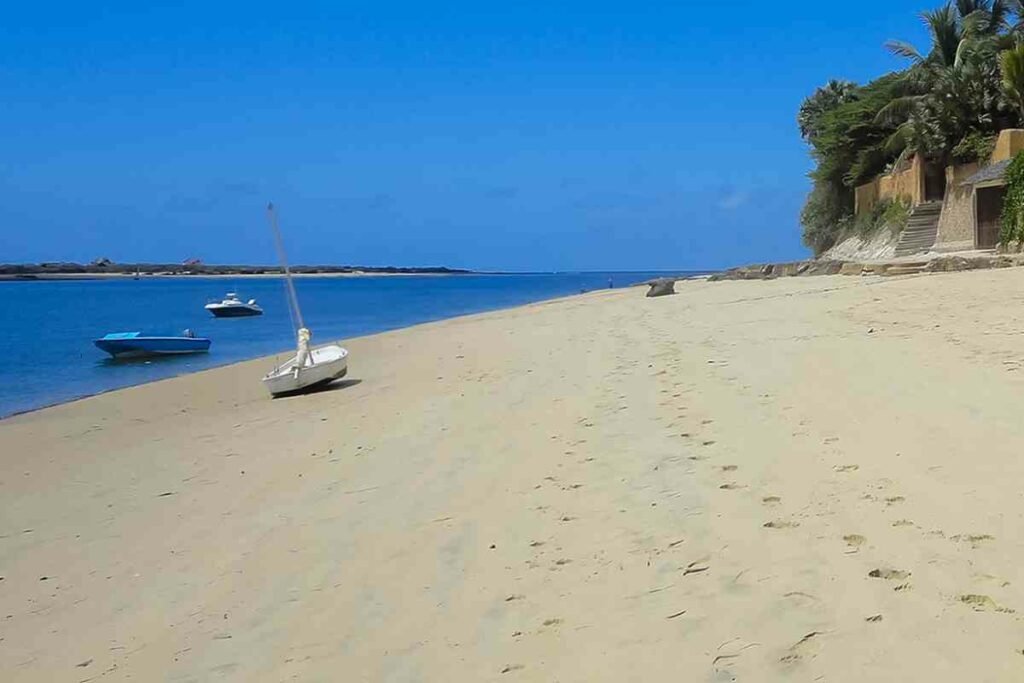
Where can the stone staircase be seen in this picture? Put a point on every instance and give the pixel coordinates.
(922, 227)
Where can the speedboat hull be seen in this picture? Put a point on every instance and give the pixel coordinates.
(234, 311)
(326, 364)
(136, 345)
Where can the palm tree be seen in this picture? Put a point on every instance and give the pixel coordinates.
(953, 29)
(994, 15)
(946, 33)
(953, 91)
(1011, 67)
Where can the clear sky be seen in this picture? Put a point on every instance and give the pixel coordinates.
(521, 136)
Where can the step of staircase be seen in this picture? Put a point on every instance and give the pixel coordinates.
(906, 269)
(922, 228)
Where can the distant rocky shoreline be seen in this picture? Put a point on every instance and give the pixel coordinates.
(104, 268)
(810, 267)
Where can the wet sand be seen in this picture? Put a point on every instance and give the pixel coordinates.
(798, 479)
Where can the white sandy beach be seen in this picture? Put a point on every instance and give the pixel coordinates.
(802, 479)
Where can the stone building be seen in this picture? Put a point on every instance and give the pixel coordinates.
(956, 208)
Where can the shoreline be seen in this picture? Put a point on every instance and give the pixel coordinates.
(282, 352)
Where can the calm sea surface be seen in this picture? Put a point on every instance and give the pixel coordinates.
(47, 327)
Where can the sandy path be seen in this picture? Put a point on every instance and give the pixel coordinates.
(792, 480)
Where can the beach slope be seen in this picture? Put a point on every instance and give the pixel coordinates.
(788, 480)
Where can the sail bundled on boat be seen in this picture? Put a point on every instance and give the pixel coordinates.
(308, 367)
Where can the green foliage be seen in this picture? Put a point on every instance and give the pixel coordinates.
(824, 100)
(1011, 67)
(975, 147)
(849, 146)
(825, 212)
(943, 103)
(1012, 228)
(886, 213)
(893, 214)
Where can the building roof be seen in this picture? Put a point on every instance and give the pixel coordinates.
(991, 174)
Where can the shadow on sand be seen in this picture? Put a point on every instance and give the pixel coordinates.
(335, 385)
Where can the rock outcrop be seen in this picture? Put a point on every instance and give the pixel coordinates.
(661, 287)
(936, 264)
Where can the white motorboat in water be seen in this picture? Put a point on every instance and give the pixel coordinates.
(308, 368)
(233, 307)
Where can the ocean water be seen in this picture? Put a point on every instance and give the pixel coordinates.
(47, 327)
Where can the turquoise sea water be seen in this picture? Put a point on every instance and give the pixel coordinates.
(47, 327)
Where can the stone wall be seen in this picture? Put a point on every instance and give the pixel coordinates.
(1010, 142)
(956, 223)
(907, 183)
(865, 196)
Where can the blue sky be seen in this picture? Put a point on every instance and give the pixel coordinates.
(517, 136)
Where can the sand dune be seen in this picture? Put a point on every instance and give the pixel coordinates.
(801, 479)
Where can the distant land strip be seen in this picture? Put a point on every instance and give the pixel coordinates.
(105, 268)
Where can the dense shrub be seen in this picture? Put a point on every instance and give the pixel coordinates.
(1012, 228)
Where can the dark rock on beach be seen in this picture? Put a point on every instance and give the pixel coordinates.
(661, 287)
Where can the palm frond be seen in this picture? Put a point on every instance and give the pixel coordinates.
(899, 143)
(902, 49)
(999, 14)
(897, 110)
(944, 26)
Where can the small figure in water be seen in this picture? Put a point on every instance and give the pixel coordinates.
(611, 285)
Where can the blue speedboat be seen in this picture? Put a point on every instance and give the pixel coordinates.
(137, 344)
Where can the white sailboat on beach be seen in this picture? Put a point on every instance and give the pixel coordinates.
(308, 367)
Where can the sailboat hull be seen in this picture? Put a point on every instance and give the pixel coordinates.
(326, 364)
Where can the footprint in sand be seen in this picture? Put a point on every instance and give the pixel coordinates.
(888, 574)
(854, 540)
(771, 500)
(512, 667)
(800, 648)
(974, 539)
(874, 618)
(780, 524)
(730, 468)
(846, 468)
(696, 567)
(551, 622)
(728, 653)
(732, 487)
(903, 522)
(893, 500)
(982, 603)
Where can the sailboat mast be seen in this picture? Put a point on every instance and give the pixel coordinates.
(293, 300)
